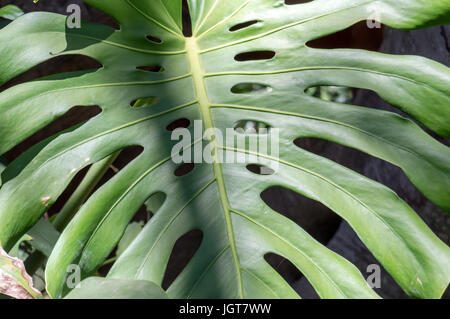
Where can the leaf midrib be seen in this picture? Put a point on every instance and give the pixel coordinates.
(198, 76)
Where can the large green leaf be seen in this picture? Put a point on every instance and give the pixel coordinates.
(102, 288)
(223, 200)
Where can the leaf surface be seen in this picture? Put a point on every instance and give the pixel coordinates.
(223, 200)
(101, 288)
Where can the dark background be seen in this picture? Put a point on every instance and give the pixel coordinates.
(318, 220)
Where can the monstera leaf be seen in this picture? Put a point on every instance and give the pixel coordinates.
(95, 288)
(246, 62)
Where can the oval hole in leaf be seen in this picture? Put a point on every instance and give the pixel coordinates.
(153, 39)
(260, 169)
(183, 251)
(127, 155)
(343, 155)
(145, 101)
(251, 127)
(184, 169)
(314, 217)
(292, 2)
(338, 94)
(180, 123)
(255, 55)
(243, 25)
(151, 68)
(186, 19)
(72, 65)
(246, 88)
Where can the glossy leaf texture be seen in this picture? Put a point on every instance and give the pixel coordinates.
(102, 288)
(195, 82)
